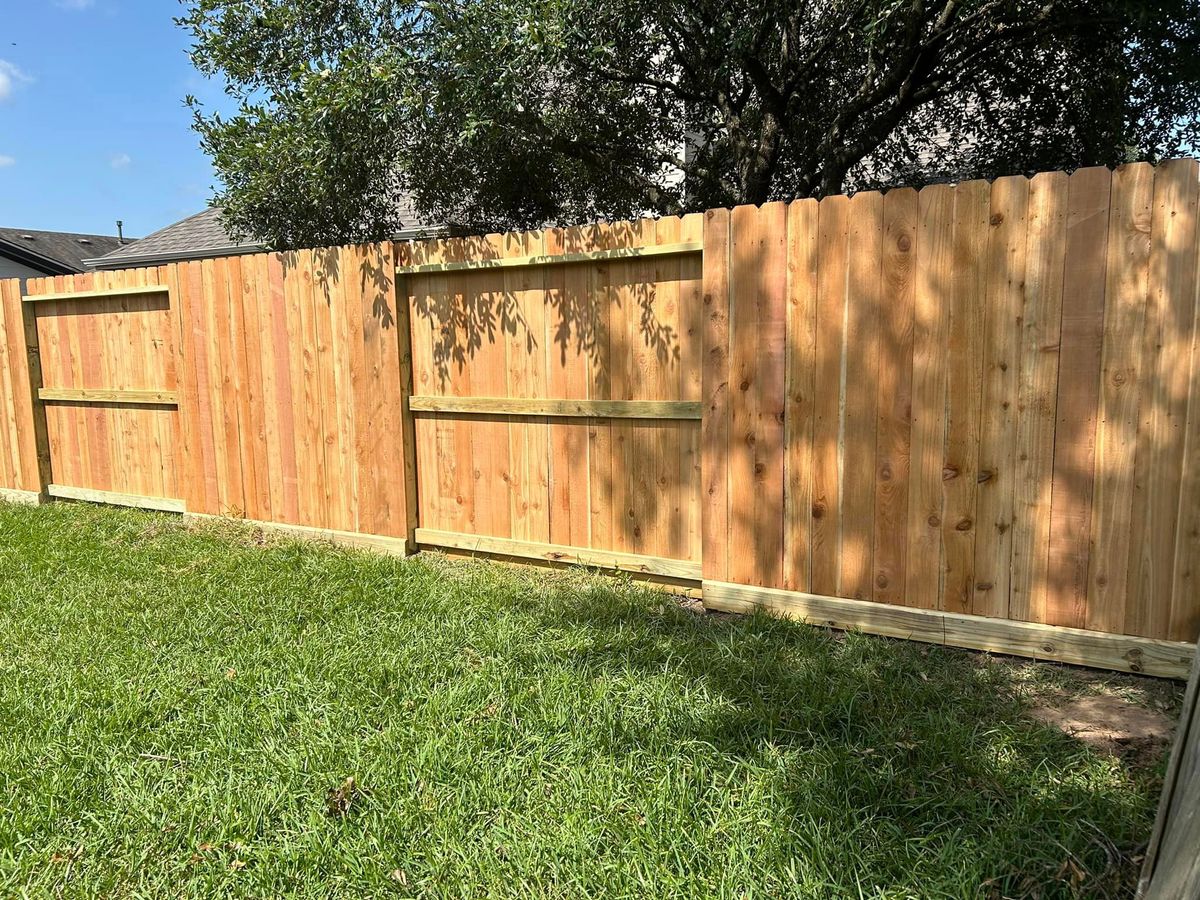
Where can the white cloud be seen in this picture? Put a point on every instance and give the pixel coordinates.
(6, 161)
(10, 76)
(120, 160)
(73, 4)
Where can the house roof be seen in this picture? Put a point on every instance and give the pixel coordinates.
(195, 237)
(204, 236)
(56, 252)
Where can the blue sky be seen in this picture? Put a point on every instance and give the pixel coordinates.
(92, 123)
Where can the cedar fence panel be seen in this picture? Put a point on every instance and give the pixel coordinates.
(966, 414)
(605, 468)
(996, 417)
(283, 379)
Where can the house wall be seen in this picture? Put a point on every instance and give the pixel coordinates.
(10, 268)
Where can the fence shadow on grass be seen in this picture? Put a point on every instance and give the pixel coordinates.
(922, 758)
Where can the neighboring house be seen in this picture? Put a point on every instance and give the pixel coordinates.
(203, 236)
(25, 253)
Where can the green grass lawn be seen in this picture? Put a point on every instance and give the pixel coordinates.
(181, 706)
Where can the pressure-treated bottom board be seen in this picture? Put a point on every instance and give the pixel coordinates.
(24, 498)
(114, 498)
(557, 553)
(1143, 656)
(392, 546)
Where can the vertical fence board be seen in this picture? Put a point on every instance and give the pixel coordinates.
(1088, 196)
(691, 374)
(667, 444)
(998, 433)
(632, 472)
(800, 391)
(861, 363)
(1159, 456)
(931, 323)
(239, 382)
(26, 459)
(894, 398)
(747, 259)
(1037, 396)
(566, 374)
(715, 430)
(1122, 377)
(603, 471)
(769, 431)
(1184, 614)
(967, 281)
(832, 263)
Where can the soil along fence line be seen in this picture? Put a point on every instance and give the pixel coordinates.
(963, 415)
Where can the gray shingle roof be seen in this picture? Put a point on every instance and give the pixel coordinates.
(195, 237)
(204, 235)
(66, 249)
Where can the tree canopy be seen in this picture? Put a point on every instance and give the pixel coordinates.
(516, 113)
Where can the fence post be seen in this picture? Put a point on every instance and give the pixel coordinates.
(26, 468)
(1172, 867)
(408, 431)
(714, 428)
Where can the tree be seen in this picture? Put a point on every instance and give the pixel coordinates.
(515, 113)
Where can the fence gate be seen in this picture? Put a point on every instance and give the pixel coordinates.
(556, 393)
(108, 366)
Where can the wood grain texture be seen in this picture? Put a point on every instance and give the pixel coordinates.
(629, 562)
(24, 440)
(114, 498)
(757, 335)
(832, 266)
(1037, 396)
(1142, 656)
(108, 293)
(997, 467)
(894, 397)
(567, 408)
(1159, 455)
(1088, 196)
(1122, 378)
(525, 379)
(108, 382)
(715, 430)
(800, 392)
(966, 280)
(96, 395)
(556, 258)
(931, 325)
(864, 313)
(1167, 503)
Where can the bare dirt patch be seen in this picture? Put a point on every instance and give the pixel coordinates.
(1112, 724)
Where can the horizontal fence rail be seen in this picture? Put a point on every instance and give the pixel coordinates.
(965, 415)
(558, 259)
(588, 409)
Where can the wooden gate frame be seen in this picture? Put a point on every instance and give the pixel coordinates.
(641, 564)
(41, 395)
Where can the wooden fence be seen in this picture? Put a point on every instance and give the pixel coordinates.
(1171, 870)
(961, 415)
